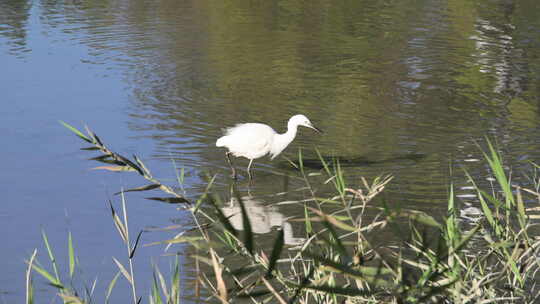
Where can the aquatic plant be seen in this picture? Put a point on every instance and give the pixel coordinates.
(428, 260)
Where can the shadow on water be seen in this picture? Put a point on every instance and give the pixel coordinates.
(355, 161)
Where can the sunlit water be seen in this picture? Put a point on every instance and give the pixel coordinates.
(410, 88)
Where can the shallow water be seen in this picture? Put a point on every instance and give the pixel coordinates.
(408, 88)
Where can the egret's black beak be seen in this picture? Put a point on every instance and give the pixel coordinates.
(317, 129)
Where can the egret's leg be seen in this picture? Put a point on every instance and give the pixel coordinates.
(249, 170)
(233, 174)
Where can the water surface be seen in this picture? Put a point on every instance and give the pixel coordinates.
(410, 88)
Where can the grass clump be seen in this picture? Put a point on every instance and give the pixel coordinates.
(341, 258)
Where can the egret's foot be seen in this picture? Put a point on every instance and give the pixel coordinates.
(233, 171)
(233, 174)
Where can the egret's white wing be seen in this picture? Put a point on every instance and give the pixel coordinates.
(251, 140)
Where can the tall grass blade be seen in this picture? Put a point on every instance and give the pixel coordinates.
(118, 224)
(292, 163)
(495, 163)
(29, 285)
(123, 270)
(71, 254)
(156, 295)
(132, 253)
(175, 284)
(142, 188)
(182, 175)
(71, 299)
(142, 166)
(121, 168)
(90, 149)
(276, 252)
(274, 292)
(520, 205)
(90, 292)
(308, 226)
(248, 234)
(450, 221)
(129, 163)
(362, 273)
(93, 136)
(76, 131)
(335, 241)
(218, 272)
(222, 218)
(44, 273)
(162, 284)
(193, 240)
(51, 255)
(463, 242)
(111, 287)
(340, 179)
(106, 158)
(485, 208)
(170, 200)
(205, 194)
(323, 162)
(333, 220)
(300, 161)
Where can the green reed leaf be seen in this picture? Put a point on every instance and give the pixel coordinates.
(123, 270)
(248, 234)
(169, 200)
(276, 252)
(111, 287)
(71, 254)
(76, 131)
(142, 188)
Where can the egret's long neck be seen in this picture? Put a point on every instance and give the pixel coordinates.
(281, 141)
(288, 136)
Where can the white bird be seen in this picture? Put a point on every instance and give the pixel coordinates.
(254, 140)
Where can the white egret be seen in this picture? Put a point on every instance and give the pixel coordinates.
(255, 140)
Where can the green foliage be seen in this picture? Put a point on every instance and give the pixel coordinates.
(431, 261)
(434, 262)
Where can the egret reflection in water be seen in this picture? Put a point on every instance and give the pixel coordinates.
(262, 218)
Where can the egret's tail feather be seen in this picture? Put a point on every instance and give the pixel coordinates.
(221, 141)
